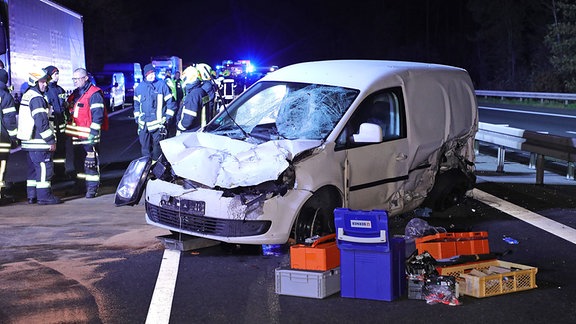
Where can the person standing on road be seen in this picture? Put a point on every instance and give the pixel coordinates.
(209, 86)
(8, 131)
(38, 140)
(57, 101)
(88, 118)
(171, 83)
(189, 114)
(179, 91)
(154, 108)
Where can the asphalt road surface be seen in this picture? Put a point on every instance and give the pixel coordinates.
(86, 261)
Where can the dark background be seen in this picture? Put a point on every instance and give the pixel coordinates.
(501, 43)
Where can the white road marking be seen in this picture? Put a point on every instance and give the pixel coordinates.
(161, 304)
(546, 224)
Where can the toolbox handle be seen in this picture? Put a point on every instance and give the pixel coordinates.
(323, 239)
(356, 239)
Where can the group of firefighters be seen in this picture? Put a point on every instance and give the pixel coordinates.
(46, 117)
(48, 120)
(158, 113)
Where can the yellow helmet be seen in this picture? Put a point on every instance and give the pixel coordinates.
(189, 75)
(37, 75)
(205, 71)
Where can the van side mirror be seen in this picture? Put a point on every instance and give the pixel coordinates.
(116, 85)
(368, 133)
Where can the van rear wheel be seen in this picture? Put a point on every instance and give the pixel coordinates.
(449, 190)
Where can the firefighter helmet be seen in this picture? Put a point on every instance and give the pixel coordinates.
(189, 75)
(206, 72)
(37, 75)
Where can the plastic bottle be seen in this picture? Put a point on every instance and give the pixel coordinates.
(272, 249)
(509, 240)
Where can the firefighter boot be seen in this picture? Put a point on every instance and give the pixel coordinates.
(45, 197)
(5, 198)
(31, 194)
(91, 191)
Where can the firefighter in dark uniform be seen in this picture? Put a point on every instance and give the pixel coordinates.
(88, 117)
(56, 97)
(38, 140)
(189, 118)
(209, 86)
(8, 130)
(154, 108)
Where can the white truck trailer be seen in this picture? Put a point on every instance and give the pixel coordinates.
(38, 33)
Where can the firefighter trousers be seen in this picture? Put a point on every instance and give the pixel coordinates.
(150, 142)
(39, 177)
(87, 166)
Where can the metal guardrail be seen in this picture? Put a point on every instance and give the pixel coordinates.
(566, 97)
(539, 145)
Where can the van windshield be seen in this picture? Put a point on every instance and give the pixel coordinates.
(283, 110)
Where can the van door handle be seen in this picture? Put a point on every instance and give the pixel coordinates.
(401, 157)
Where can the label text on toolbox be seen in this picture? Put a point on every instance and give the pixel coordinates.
(361, 223)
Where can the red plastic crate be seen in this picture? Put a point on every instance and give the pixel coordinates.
(446, 245)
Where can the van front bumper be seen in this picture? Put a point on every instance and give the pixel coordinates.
(190, 222)
(207, 213)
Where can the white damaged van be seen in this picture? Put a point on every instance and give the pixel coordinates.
(309, 138)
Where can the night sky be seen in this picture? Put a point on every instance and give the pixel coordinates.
(274, 32)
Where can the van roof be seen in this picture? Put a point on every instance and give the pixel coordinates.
(356, 74)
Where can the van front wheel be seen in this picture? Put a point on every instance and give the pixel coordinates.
(316, 217)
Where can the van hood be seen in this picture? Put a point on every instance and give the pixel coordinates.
(220, 161)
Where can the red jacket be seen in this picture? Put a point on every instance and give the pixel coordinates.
(87, 118)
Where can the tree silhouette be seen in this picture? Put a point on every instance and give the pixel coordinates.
(561, 39)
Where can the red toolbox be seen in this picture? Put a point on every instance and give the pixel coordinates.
(446, 245)
(322, 255)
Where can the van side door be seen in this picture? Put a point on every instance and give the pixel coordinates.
(376, 171)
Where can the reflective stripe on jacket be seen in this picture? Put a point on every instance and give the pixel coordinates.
(56, 97)
(154, 105)
(87, 117)
(33, 119)
(8, 121)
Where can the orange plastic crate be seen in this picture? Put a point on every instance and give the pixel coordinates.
(520, 277)
(322, 255)
(446, 245)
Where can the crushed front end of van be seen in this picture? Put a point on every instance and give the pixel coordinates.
(312, 137)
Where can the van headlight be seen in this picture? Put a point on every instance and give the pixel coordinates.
(131, 185)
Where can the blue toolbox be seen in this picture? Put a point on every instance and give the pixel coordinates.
(371, 265)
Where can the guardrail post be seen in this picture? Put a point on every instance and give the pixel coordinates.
(532, 163)
(540, 169)
(570, 172)
(501, 154)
